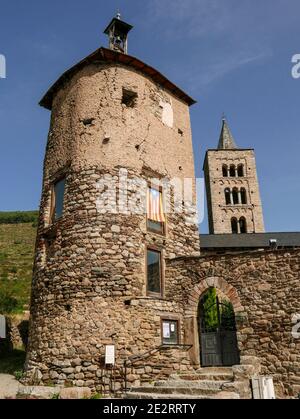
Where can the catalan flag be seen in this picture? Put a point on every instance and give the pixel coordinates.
(155, 208)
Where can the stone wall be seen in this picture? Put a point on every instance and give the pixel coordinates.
(89, 285)
(264, 288)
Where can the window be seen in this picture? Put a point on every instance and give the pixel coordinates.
(235, 196)
(154, 272)
(232, 171)
(243, 196)
(129, 98)
(170, 332)
(155, 211)
(57, 206)
(234, 226)
(243, 225)
(240, 170)
(227, 196)
(225, 170)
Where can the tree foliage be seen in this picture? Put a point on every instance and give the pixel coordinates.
(211, 320)
(18, 217)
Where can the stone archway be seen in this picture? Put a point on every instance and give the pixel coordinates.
(191, 312)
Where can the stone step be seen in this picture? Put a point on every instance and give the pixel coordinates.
(203, 376)
(178, 396)
(214, 370)
(192, 391)
(210, 373)
(203, 384)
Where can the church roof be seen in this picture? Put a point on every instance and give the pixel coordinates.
(226, 141)
(248, 241)
(104, 55)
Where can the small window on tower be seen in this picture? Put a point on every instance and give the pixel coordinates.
(244, 196)
(235, 196)
(234, 226)
(129, 98)
(57, 204)
(240, 170)
(243, 225)
(227, 196)
(232, 170)
(225, 170)
(154, 285)
(155, 211)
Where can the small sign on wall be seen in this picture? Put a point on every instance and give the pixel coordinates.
(2, 327)
(110, 355)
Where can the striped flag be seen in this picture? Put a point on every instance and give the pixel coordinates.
(155, 208)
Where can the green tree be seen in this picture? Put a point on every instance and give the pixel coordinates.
(210, 310)
(227, 316)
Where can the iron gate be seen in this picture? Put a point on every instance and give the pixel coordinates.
(218, 336)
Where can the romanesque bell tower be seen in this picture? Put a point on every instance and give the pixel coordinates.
(233, 197)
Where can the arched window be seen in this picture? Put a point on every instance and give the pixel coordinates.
(232, 170)
(243, 225)
(227, 196)
(225, 170)
(235, 196)
(243, 196)
(234, 226)
(240, 170)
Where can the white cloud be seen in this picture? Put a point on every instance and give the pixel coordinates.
(195, 17)
(227, 65)
(221, 36)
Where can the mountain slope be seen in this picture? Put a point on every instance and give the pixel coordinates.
(16, 259)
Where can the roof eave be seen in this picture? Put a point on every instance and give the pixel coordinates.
(107, 55)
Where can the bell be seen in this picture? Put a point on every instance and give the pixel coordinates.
(118, 40)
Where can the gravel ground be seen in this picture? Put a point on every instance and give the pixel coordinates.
(9, 386)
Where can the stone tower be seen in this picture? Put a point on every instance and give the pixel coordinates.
(233, 197)
(99, 266)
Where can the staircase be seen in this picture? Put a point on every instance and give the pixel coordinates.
(205, 383)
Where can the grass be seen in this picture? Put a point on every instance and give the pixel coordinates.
(16, 260)
(13, 363)
(96, 396)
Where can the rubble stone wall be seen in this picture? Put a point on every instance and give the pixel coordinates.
(264, 288)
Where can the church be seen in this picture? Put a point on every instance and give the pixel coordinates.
(127, 296)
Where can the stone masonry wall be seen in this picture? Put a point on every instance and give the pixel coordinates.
(265, 290)
(89, 285)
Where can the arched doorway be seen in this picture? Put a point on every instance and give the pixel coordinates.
(217, 331)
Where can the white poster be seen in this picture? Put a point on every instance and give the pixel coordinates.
(110, 355)
(172, 327)
(166, 330)
(2, 327)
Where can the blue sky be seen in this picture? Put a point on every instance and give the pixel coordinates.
(232, 56)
